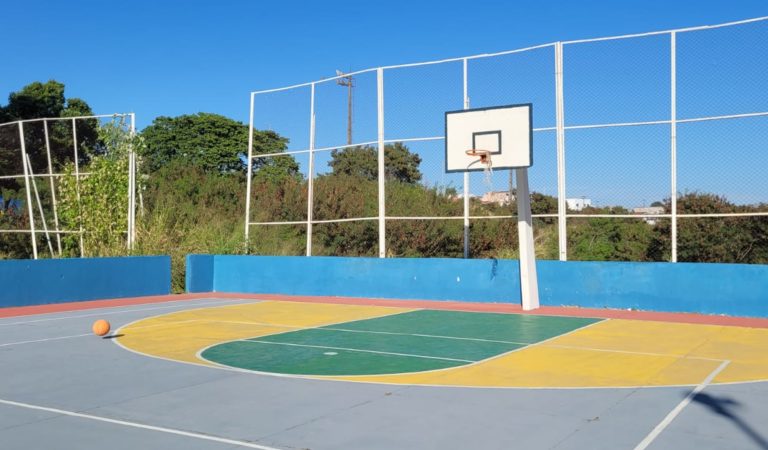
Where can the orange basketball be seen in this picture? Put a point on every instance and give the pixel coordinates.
(100, 327)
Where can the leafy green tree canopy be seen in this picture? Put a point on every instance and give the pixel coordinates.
(39, 100)
(215, 144)
(362, 161)
(713, 239)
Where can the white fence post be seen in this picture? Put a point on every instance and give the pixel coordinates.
(77, 187)
(249, 175)
(466, 174)
(310, 175)
(673, 141)
(23, 146)
(562, 209)
(382, 167)
(53, 187)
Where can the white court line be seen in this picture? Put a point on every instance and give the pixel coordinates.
(125, 423)
(426, 335)
(321, 328)
(216, 302)
(45, 340)
(88, 334)
(679, 408)
(630, 352)
(319, 377)
(357, 350)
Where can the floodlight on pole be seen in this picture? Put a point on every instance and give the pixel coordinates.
(347, 80)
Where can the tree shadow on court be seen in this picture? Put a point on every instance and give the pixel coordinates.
(725, 407)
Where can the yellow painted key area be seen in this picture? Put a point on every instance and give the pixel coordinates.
(181, 335)
(609, 353)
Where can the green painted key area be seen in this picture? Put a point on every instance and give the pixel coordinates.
(409, 342)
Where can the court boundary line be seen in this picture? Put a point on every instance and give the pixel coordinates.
(58, 338)
(7, 312)
(211, 365)
(125, 423)
(670, 417)
(108, 313)
(110, 336)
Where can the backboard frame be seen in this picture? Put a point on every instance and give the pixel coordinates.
(491, 130)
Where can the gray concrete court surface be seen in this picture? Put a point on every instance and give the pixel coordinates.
(63, 388)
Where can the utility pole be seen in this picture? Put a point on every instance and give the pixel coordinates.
(349, 83)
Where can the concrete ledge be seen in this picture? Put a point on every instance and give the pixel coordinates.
(43, 281)
(728, 289)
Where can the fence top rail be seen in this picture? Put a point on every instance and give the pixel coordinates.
(677, 30)
(51, 119)
(519, 50)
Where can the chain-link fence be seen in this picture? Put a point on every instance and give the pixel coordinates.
(46, 188)
(646, 147)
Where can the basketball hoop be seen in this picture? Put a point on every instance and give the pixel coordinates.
(484, 155)
(484, 158)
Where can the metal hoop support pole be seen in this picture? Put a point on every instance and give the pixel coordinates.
(529, 282)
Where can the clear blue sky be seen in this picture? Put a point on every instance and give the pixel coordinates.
(181, 57)
(177, 57)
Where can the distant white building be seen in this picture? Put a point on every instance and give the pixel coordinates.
(577, 204)
(649, 210)
(501, 198)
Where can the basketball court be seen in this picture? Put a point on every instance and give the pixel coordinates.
(350, 352)
(250, 371)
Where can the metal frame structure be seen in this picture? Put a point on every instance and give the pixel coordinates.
(561, 128)
(31, 185)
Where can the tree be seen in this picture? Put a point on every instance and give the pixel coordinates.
(40, 100)
(362, 161)
(36, 100)
(213, 143)
(98, 203)
(712, 239)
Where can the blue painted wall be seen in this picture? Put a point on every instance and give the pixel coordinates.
(34, 282)
(199, 276)
(410, 278)
(731, 289)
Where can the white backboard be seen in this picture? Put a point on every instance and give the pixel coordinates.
(505, 131)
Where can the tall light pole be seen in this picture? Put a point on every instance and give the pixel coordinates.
(349, 83)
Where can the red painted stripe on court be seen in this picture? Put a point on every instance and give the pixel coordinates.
(424, 304)
(15, 311)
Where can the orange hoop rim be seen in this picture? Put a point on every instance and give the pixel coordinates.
(484, 155)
